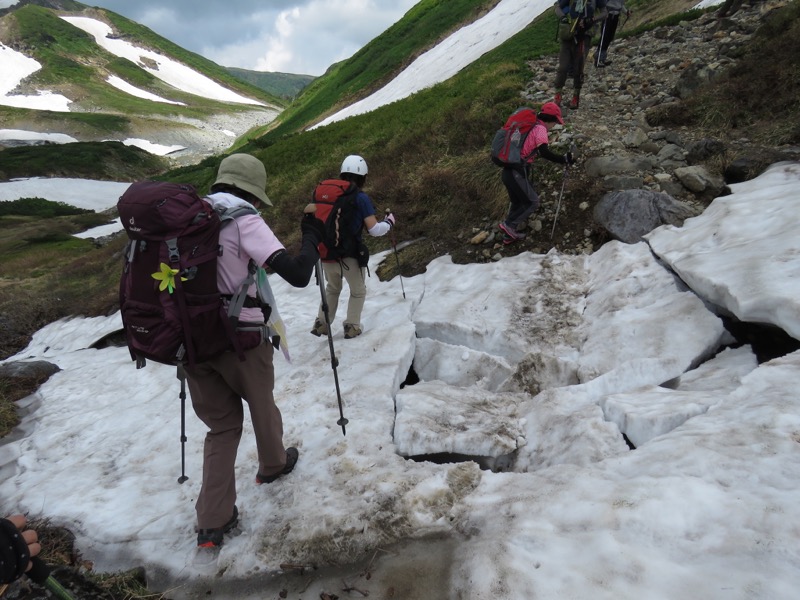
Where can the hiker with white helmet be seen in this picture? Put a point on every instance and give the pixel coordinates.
(219, 386)
(521, 192)
(352, 266)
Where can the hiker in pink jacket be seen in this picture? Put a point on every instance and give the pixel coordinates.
(221, 386)
(521, 193)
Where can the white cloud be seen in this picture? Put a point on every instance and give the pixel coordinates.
(304, 37)
(295, 37)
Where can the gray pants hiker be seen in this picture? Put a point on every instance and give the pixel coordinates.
(218, 388)
(335, 276)
(572, 57)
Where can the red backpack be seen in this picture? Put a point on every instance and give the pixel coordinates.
(337, 208)
(510, 138)
(172, 310)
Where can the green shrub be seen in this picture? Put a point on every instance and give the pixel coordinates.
(39, 207)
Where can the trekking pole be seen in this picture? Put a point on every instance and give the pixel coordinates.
(40, 573)
(558, 206)
(334, 362)
(396, 257)
(572, 149)
(182, 377)
(598, 52)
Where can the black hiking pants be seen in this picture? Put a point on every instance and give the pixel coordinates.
(607, 33)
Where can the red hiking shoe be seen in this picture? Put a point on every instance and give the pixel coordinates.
(212, 538)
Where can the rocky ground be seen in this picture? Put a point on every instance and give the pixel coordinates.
(618, 147)
(208, 137)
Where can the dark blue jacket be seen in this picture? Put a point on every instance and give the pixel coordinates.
(590, 7)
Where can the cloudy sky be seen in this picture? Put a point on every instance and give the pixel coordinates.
(289, 36)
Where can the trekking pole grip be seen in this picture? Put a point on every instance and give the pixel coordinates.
(397, 259)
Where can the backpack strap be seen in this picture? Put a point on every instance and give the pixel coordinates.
(272, 330)
(230, 213)
(239, 299)
(534, 152)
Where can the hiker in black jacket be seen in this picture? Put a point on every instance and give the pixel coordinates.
(609, 30)
(577, 20)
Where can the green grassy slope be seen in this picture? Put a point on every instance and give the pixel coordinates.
(427, 154)
(282, 85)
(428, 22)
(72, 64)
(144, 36)
(107, 161)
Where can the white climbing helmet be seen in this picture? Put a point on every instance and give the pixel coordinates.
(354, 164)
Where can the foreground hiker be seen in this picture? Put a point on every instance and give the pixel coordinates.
(577, 20)
(18, 545)
(521, 192)
(219, 385)
(351, 265)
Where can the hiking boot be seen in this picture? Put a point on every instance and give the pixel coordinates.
(511, 232)
(507, 239)
(573, 104)
(292, 455)
(319, 328)
(557, 99)
(351, 331)
(212, 538)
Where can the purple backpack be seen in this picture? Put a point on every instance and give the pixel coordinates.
(171, 308)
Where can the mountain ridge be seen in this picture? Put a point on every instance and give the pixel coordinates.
(283, 85)
(73, 64)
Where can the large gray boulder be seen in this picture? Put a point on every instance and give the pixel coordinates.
(630, 214)
(35, 369)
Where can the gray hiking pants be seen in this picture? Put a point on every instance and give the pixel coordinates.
(524, 199)
(218, 388)
(572, 58)
(335, 276)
